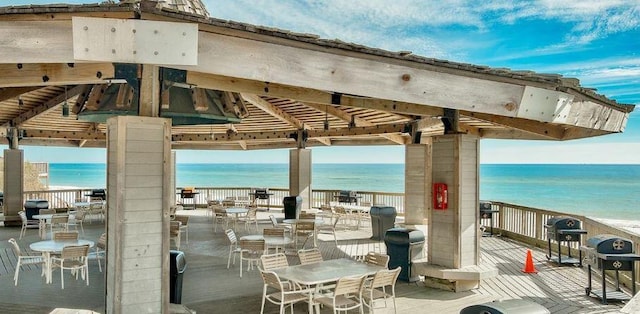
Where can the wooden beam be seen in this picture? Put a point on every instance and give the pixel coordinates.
(543, 129)
(66, 135)
(149, 102)
(278, 135)
(340, 114)
(243, 145)
(13, 92)
(48, 74)
(273, 110)
(324, 140)
(306, 95)
(48, 105)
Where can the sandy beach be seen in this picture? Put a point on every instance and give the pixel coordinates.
(628, 225)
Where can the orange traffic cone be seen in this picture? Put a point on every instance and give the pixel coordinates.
(528, 264)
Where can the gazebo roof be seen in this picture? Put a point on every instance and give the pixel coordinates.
(268, 87)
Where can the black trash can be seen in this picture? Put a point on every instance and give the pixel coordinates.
(383, 218)
(1, 198)
(177, 266)
(33, 207)
(403, 246)
(292, 206)
(506, 307)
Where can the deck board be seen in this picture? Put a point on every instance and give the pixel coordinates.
(209, 287)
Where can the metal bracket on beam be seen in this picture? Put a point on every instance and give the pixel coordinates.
(336, 98)
(129, 73)
(14, 135)
(301, 138)
(450, 120)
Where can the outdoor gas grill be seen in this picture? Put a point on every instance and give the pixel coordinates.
(261, 194)
(97, 194)
(610, 252)
(346, 196)
(564, 229)
(486, 212)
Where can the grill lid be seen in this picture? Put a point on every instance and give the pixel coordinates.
(610, 244)
(562, 223)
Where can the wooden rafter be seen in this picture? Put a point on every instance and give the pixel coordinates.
(340, 114)
(539, 128)
(273, 110)
(48, 105)
(13, 92)
(68, 135)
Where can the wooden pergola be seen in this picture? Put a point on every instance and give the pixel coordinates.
(142, 78)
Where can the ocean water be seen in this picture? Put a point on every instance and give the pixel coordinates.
(604, 191)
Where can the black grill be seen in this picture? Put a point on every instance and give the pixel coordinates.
(261, 194)
(610, 252)
(564, 229)
(346, 196)
(98, 194)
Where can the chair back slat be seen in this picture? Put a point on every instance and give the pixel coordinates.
(305, 215)
(231, 236)
(274, 232)
(384, 278)
(271, 279)
(65, 236)
(47, 211)
(59, 219)
(274, 261)
(377, 259)
(102, 241)
(75, 251)
(305, 226)
(253, 246)
(349, 285)
(310, 256)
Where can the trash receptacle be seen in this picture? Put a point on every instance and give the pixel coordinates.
(292, 206)
(403, 246)
(33, 207)
(505, 307)
(177, 266)
(383, 218)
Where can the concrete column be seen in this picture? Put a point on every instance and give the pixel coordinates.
(417, 183)
(300, 175)
(454, 232)
(13, 186)
(139, 183)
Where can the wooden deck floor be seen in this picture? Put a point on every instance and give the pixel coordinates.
(209, 287)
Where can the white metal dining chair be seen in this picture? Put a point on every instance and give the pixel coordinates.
(279, 293)
(27, 224)
(25, 260)
(382, 286)
(346, 296)
(73, 258)
(250, 251)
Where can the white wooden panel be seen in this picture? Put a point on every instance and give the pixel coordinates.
(142, 158)
(144, 146)
(544, 105)
(140, 286)
(142, 228)
(141, 216)
(48, 42)
(141, 274)
(135, 41)
(146, 181)
(149, 295)
(143, 251)
(150, 204)
(142, 263)
(143, 193)
(150, 307)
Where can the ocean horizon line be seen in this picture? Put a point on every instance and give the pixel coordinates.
(359, 163)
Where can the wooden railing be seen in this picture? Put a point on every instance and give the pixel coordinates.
(520, 223)
(527, 225)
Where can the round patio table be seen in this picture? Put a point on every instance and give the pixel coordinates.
(236, 211)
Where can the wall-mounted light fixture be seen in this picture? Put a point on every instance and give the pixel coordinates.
(65, 105)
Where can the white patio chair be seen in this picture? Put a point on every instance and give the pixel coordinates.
(59, 223)
(277, 292)
(174, 233)
(250, 218)
(233, 246)
(77, 220)
(329, 228)
(219, 217)
(347, 295)
(382, 286)
(184, 225)
(24, 260)
(378, 259)
(250, 251)
(27, 224)
(101, 249)
(73, 258)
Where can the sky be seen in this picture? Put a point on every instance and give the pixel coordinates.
(596, 41)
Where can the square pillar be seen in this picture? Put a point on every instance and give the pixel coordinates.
(13, 186)
(300, 175)
(417, 183)
(454, 232)
(139, 184)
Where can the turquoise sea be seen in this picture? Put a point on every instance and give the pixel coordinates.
(604, 191)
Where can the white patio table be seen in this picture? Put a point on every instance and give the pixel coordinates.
(325, 272)
(271, 241)
(236, 211)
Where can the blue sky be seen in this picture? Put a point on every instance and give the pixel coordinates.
(596, 41)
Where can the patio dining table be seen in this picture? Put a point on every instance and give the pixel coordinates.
(271, 241)
(326, 272)
(48, 247)
(236, 211)
(44, 221)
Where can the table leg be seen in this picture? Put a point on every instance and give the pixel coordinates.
(47, 263)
